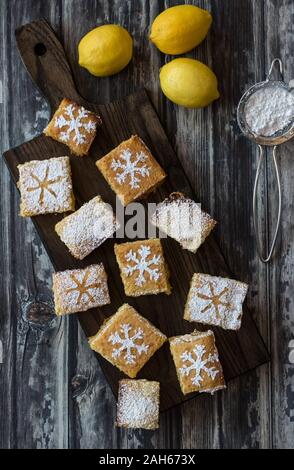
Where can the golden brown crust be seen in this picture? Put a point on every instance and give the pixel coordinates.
(58, 128)
(127, 323)
(136, 283)
(197, 363)
(149, 176)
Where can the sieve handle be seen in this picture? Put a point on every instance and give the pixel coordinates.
(278, 62)
(260, 161)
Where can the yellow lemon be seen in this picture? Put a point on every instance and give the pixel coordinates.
(179, 29)
(189, 83)
(106, 50)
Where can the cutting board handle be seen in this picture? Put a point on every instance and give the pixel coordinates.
(45, 60)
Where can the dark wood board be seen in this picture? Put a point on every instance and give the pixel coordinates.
(53, 391)
(240, 351)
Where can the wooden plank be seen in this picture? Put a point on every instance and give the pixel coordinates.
(221, 165)
(206, 422)
(132, 115)
(34, 395)
(136, 17)
(279, 42)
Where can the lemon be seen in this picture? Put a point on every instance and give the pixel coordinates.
(189, 83)
(106, 50)
(180, 28)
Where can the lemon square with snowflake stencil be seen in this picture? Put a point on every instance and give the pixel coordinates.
(78, 290)
(131, 170)
(215, 301)
(197, 362)
(127, 340)
(45, 187)
(74, 126)
(142, 267)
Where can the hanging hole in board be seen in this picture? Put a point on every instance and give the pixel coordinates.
(40, 49)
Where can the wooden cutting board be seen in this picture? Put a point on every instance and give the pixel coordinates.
(45, 60)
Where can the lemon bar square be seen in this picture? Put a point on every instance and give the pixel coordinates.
(88, 227)
(78, 290)
(215, 301)
(197, 363)
(74, 126)
(138, 404)
(45, 187)
(183, 220)
(142, 267)
(127, 340)
(131, 170)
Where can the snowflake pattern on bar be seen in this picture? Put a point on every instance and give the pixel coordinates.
(131, 170)
(216, 301)
(128, 343)
(128, 170)
(127, 340)
(82, 288)
(76, 128)
(139, 262)
(78, 290)
(44, 184)
(197, 365)
(213, 300)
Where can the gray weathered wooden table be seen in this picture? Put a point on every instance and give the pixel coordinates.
(53, 394)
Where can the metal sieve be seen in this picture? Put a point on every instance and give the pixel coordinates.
(274, 140)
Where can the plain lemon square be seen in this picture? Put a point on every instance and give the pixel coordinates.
(138, 404)
(87, 228)
(182, 219)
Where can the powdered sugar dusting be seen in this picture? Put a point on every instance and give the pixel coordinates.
(88, 227)
(216, 301)
(138, 405)
(182, 219)
(269, 110)
(46, 186)
(81, 289)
